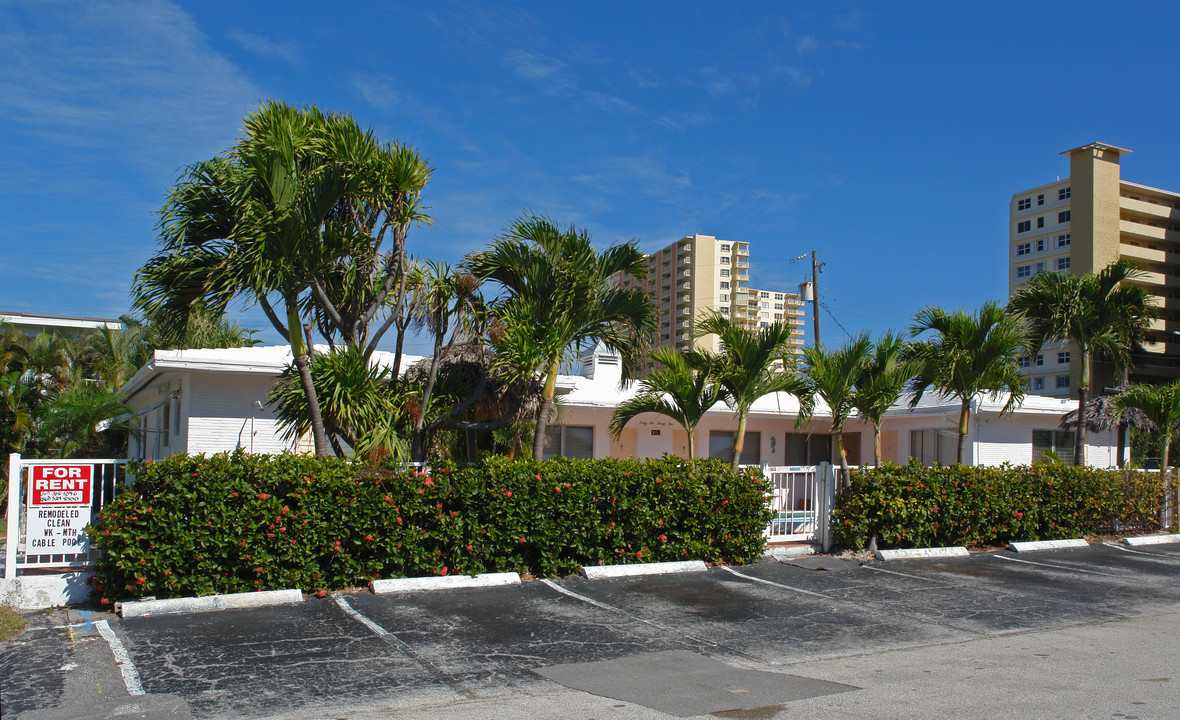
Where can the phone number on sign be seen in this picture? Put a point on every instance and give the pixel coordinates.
(61, 496)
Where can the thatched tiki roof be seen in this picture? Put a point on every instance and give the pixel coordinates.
(1101, 416)
(467, 369)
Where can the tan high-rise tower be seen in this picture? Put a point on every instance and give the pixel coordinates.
(1082, 224)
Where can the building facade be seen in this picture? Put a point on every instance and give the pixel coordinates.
(1083, 223)
(32, 324)
(698, 274)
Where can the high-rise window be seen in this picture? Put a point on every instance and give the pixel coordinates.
(1063, 263)
(1023, 271)
(1063, 193)
(724, 297)
(1041, 221)
(1040, 360)
(1024, 226)
(764, 295)
(724, 248)
(1063, 357)
(724, 272)
(1023, 361)
(724, 286)
(1040, 268)
(1024, 203)
(1041, 245)
(1024, 249)
(1063, 217)
(1040, 199)
(778, 296)
(724, 260)
(1062, 381)
(1063, 240)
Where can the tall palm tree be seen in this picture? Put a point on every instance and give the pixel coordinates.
(1097, 312)
(558, 298)
(972, 353)
(745, 368)
(883, 377)
(254, 224)
(834, 375)
(682, 389)
(1160, 405)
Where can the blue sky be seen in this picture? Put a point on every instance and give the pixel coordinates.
(889, 137)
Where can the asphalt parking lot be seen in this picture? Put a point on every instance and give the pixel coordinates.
(1080, 633)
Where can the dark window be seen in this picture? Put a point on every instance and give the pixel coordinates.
(1024, 204)
(569, 441)
(1063, 240)
(934, 446)
(1040, 199)
(1041, 222)
(721, 447)
(1063, 193)
(1063, 217)
(804, 449)
(1024, 226)
(1056, 441)
(1062, 381)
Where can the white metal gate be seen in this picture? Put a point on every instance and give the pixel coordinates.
(802, 503)
(106, 476)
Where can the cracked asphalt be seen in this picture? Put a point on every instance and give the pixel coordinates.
(1081, 633)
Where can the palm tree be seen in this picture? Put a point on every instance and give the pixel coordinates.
(1095, 312)
(558, 299)
(254, 223)
(745, 368)
(883, 377)
(972, 353)
(1160, 405)
(682, 389)
(834, 375)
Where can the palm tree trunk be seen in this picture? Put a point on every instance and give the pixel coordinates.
(1079, 438)
(739, 442)
(691, 444)
(546, 407)
(876, 445)
(964, 416)
(303, 365)
(845, 476)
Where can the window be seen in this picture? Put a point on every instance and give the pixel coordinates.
(765, 324)
(1041, 221)
(724, 261)
(1024, 226)
(1063, 217)
(1063, 263)
(724, 297)
(1023, 361)
(721, 447)
(1057, 441)
(1023, 271)
(764, 316)
(1040, 199)
(778, 296)
(1063, 193)
(724, 272)
(764, 306)
(1062, 381)
(724, 248)
(778, 306)
(804, 449)
(1063, 357)
(724, 286)
(569, 441)
(1040, 360)
(765, 295)
(1041, 245)
(1024, 203)
(778, 316)
(1039, 383)
(1023, 249)
(165, 424)
(1063, 240)
(1040, 268)
(934, 446)
(724, 309)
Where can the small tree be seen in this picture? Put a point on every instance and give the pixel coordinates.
(1160, 405)
(833, 375)
(885, 373)
(683, 390)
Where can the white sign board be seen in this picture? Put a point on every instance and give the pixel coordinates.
(59, 509)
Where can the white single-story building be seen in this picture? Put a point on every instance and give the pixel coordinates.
(207, 401)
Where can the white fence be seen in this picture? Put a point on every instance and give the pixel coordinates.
(802, 502)
(49, 504)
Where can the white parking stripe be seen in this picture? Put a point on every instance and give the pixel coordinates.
(612, 608)
(360, 618)
(122, 658)
(1051, 565)
(731, 571)
(1161, 556)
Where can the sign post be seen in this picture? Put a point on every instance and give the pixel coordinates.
(59, 509)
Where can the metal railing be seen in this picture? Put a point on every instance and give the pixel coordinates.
(801, 499)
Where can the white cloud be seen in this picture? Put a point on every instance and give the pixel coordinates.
(259, 45)
(138, 79)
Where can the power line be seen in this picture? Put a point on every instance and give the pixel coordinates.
(828, 310)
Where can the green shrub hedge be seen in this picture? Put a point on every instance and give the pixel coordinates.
(915, 506)
(239, 522)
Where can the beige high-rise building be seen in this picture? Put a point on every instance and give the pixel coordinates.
(700, 273)
(1083, 223)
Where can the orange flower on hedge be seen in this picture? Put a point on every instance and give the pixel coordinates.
(263, 496)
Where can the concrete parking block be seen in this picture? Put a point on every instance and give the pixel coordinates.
(911, 553)
(235, 601)
(600, 572)
(446, 582)
(1151, 539)
(1048, 545)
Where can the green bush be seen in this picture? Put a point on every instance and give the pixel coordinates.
(240, 522)
(915, 506)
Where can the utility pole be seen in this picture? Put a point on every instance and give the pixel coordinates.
(815, 296)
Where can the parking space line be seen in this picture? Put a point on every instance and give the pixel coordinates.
(907, 575)
(612, 608)
(1138, 552)
(731, 571)
(122, 658)
(397, 643)
(1052, 565)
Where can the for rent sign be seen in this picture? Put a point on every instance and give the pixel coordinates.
(59, 509)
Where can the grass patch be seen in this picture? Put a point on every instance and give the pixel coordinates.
(11, 624)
